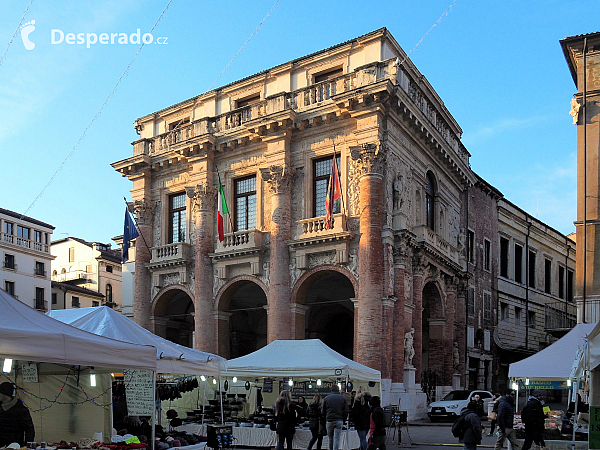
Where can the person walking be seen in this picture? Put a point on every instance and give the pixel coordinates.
(494, 414)
(335, 410)
(316, 422)
(471, 428)
(506, 418)
(377, 425)
(285, 415)
(361, 416)
(534, 418)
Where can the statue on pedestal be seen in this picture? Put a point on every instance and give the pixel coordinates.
(409, 350)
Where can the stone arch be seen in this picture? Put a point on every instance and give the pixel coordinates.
(240, 316)
(433, 328)
(172, 313)
(325, 294)
(165, 290)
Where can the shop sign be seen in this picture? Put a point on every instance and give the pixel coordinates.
(268, 385)
(30, 373)
(541, 384)
(594, 430)
(139, 392)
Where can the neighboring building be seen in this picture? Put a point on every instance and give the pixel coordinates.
(25, 252)
(535, 286)
(583, 57)
(412, 255)
(68, 296)
(91, 265)
(127, 274)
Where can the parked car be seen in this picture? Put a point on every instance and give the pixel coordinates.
(454, 403)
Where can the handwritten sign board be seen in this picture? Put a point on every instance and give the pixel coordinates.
(268, 385)
(139, 392)
(30, 373)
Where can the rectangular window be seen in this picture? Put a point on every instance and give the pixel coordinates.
(9, 287)
(244, 192)
(487, 306)
(177, 218)
(46, 238)
(531, 319)
(471, 302)
(9, 261)
(503, 311)
(471, 246)
(531, 269)
(88, 268)
(40, 269)
(321, 175)
(109, 269)
(569, 285)
(37, 236)
(518, 263)
(40, 302)
(561, 282)
(71, 254)
(9, 228)
(75, 302)
(504, 257)
(518, 315)
(547, 275)
(470, 337)
(22, 232)
(487, 255)
(94, 303)
(54, 298)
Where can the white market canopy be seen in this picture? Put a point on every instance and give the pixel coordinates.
(29, 335)
(594, 348)
(299, 358)
(170, 357)
(555, 362)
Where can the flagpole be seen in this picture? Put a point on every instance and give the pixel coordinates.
(229, 214)
(341, 190)
(136, 225)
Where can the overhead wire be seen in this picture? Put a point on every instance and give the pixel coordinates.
(15, 33)
(110, 95)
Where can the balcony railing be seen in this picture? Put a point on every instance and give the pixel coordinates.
(75, 275)
(315, 226)
(588, 312)
(241, 240)
(560, 316)
(11, 266)
(25, 243)
(39, 272)
(170, 253)
(428, 236)
(41, 305)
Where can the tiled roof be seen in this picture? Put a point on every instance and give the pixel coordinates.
(16, 215)
(579, 36)
(81, 290)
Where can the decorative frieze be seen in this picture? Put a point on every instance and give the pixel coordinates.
(319, 259)
(279, 178)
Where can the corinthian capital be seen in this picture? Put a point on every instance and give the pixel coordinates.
(143, 210)
(370, 157)
(279, 178)
(202, 196)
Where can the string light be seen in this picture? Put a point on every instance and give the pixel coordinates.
(234, 379)
(319, 382)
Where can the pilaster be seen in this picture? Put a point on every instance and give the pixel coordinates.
(221, 330)
(417, 322)
(298, 313)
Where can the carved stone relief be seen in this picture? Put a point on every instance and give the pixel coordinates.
(353, 263)
(143, 211)
(407, 286)
(169, 279)
(217, 283)
(390, 261)
(156, 227)
(453, 227)
(295, 272)
(319, 259)
(265, 274)
(353, 187)
(371, 158)
(279, 178)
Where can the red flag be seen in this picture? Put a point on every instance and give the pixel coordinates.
(334, 192)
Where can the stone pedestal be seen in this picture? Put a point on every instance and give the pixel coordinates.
(456, 381)
(409, 378)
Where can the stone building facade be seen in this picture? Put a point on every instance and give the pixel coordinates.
(411, 257)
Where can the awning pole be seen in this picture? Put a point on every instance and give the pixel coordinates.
(221, 395)
(204, 403)
(153, 410)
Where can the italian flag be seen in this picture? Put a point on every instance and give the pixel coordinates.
(221, 211)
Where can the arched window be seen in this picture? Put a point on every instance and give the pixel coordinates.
(109, 297)
(430, 201)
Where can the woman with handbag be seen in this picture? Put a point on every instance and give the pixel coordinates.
(285, 415)
(493, 416)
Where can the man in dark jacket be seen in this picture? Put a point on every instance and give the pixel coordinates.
(377, 437)
(15, 421)
(335, 410)
(472, 427)
(533, 417)
(506, 418)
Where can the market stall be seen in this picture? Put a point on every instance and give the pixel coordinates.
(305, 367)
(63, 373)
(553, 368)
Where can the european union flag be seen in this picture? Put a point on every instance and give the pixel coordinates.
(130, 232)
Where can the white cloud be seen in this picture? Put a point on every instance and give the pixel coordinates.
(474, 137)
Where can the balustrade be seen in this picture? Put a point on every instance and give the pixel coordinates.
(240, 240)
(175, 252)
(315, 226)
(25, 243)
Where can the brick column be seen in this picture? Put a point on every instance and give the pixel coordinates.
(221, 331)
(298, 312)
(400, 257)
(354, 301)
(203, 198)
(417, 321)
(142, 296)
(279, 179)
(461, 329)
(387, 338)
(371, 159)
(449, 331)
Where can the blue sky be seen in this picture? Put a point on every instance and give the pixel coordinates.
(497, 66)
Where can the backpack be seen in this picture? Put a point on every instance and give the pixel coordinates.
(458, 428)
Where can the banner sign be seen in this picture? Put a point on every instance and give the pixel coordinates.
(541, 384)
(30, 373)
(139, 392)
